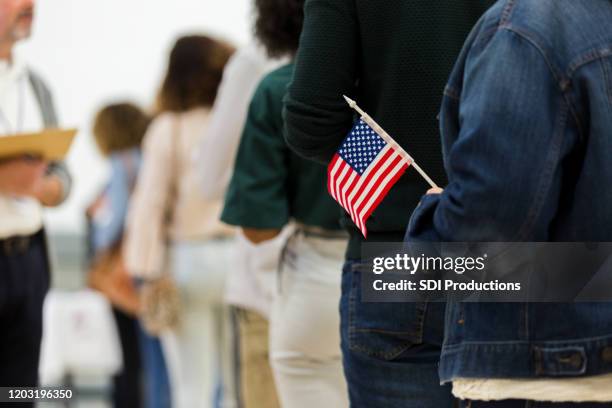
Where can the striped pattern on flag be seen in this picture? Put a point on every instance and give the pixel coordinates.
(363, 171)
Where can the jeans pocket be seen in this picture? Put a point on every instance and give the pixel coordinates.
(378, 329)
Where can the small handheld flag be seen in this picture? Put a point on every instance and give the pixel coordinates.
(367, 164)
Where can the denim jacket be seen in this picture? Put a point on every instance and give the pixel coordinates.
(526, 126)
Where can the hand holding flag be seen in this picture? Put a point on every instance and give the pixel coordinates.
(368, 163)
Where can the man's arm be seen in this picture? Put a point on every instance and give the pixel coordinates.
(27, 177)
(56, 185)
(505, 166)
(316, 116)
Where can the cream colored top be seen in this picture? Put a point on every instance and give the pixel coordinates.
(584, 389)
(168, 181)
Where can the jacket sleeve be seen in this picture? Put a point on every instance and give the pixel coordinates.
(504, 167)
(315, 114)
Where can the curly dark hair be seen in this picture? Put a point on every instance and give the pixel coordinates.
(194, 73)
(278, 24)
(119, 126)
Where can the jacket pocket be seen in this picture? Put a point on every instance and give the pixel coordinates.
(381, 330)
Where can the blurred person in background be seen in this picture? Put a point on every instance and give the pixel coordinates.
(250, 282)
(118, 130)
(393, 57)
(26, 185)
(174, 231)
(271, 187)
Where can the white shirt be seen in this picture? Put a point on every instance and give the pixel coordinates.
(19, 113)
(584, 389)
(251, 279)
(217, 152)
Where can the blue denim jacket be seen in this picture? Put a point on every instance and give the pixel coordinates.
(526, 124)
(108, 223)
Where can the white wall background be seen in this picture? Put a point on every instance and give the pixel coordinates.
(96, 51)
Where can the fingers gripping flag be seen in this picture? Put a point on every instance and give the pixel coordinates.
(363, 171)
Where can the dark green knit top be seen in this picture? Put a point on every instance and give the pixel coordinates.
(393, 57)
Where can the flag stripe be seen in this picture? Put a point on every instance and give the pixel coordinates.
(381, 167)
(366, 177)
(389, 166)
(353, 179)
(388, 181)
(335, 163)
(332, 174)
(374, 185)
(340, 181)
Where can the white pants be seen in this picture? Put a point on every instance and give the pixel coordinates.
(199, 351)
(305, 325)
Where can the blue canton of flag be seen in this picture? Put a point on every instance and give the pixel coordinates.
(361, 147)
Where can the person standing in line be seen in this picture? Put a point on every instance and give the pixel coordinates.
(271, 187)
(250, 278)
(173, 229)
(525, 125)
(118, 130)
(393, 57)
(26, 185)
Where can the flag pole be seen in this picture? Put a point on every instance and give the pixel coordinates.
(378, 129)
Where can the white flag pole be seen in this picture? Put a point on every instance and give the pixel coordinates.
(382, 133)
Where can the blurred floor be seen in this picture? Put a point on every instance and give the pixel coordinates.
(68, 259)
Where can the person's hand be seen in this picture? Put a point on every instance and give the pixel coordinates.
(49, 191)
(435, 190)
(23, 177)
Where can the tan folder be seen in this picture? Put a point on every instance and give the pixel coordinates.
(49, 144)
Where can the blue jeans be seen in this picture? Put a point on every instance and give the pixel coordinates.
(531, 404)
(390, 350)
(157, 382)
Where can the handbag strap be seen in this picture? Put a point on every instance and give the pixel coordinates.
(174, 175)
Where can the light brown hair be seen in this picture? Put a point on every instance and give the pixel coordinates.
(195, 69)
(119, 126)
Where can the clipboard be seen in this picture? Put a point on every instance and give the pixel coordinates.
(49, 144)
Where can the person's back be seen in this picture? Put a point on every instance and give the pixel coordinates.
(525, 125)
(174, 231)
(180, 134)
(393, 58)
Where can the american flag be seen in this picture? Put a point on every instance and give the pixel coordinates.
(363, 171)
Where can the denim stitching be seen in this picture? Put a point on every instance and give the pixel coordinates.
(587, 58)
(507, 12)
(597, 341)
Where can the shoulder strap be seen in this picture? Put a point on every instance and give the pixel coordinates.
(44, 99)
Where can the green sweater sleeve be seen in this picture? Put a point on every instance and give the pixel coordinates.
(316, 117)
